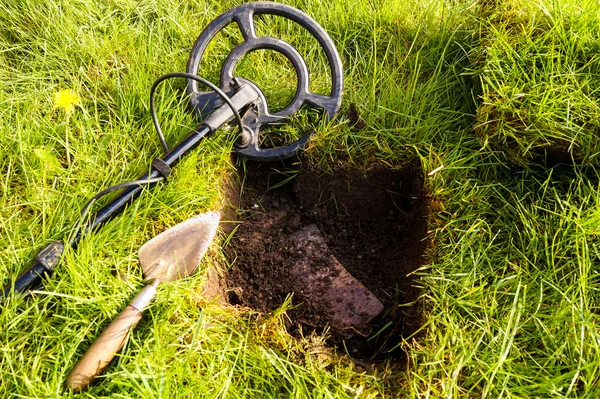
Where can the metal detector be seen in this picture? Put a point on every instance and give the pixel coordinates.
(236, 99)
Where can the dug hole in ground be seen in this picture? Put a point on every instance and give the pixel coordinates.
(343, 243)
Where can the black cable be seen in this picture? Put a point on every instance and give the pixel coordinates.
(197, 78)
(116, 187)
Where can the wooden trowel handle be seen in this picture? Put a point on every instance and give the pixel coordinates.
(102, 351)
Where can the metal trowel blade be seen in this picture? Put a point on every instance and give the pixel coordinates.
(177, 252)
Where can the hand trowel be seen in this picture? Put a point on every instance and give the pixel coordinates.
(171, 255)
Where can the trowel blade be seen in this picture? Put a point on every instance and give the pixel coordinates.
(177, 252)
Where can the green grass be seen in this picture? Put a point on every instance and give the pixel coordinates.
(475, 92)
(513, 284)
(540, 79)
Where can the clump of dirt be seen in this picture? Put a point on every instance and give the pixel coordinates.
(374, 224)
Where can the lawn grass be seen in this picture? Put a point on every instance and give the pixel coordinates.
(472, 92)
(539, 78)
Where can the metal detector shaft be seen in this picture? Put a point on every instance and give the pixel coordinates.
(47, 258)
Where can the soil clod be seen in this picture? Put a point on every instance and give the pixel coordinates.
(325, 284)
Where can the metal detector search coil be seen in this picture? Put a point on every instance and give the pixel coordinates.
(257, 117)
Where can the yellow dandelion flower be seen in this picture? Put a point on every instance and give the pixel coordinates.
(66, 100)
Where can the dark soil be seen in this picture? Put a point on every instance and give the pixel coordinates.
(374, 224)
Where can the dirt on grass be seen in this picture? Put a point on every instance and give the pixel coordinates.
(374, 224)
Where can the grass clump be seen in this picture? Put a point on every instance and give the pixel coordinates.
(511, 305)
(539, 78)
